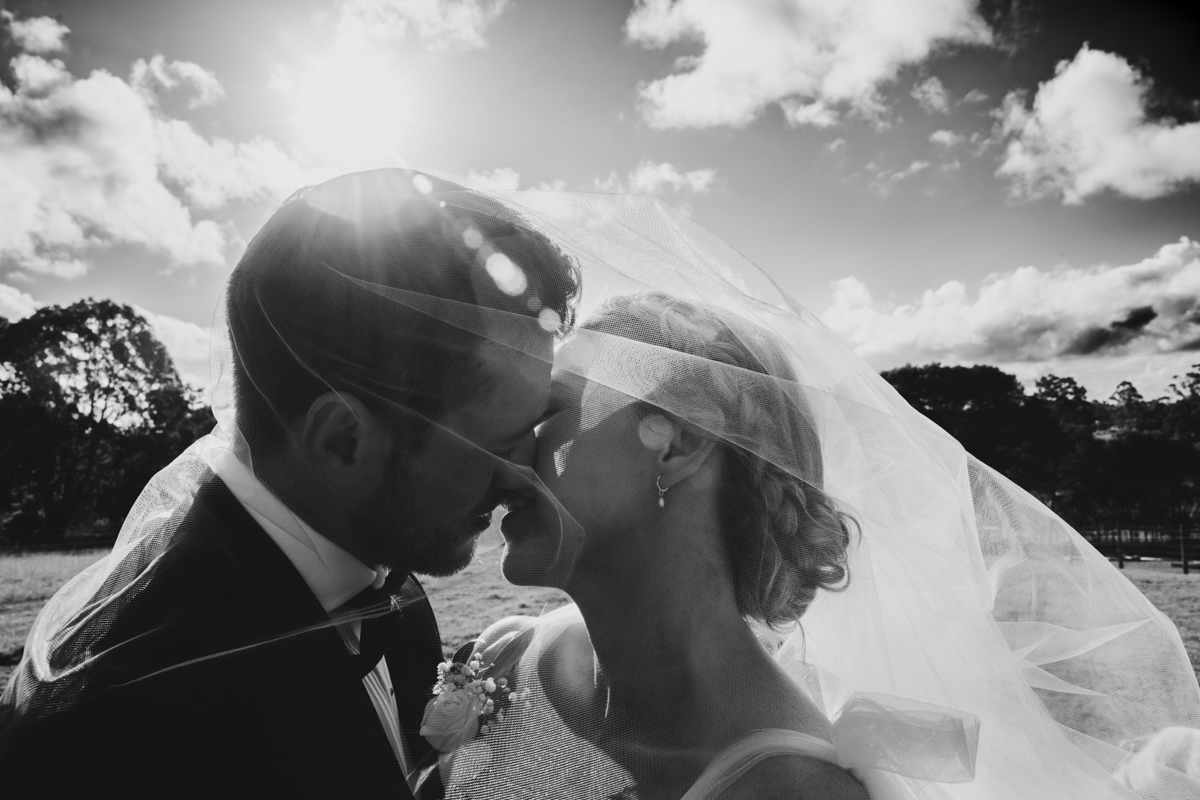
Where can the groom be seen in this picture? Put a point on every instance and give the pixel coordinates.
(390, 338)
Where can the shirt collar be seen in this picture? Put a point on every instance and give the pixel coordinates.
(333, 575)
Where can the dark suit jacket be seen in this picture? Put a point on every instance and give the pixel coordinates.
(275, 714)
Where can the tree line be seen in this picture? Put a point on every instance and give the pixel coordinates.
(91, 406)
(1125, 461)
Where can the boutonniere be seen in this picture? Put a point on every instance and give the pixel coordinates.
(472, 695)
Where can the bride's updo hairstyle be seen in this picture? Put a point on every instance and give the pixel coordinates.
(784, 536)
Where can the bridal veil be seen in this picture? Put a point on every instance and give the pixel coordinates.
(976, 626)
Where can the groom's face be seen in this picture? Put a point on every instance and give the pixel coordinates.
(440, 498)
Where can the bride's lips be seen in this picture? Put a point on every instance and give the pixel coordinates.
(517, 507)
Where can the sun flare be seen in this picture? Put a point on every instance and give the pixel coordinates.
(349, 109)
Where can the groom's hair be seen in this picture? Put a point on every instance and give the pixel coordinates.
(333, 294)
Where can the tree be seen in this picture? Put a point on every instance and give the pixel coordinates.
(1065, 437)
(1182, 419)
(78, 384)
(981, 406)
(1126, 461)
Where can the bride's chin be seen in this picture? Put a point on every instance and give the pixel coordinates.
(529, 552)
(524, 565)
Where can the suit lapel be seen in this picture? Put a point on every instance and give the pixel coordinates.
(344, 714)
(413, 653)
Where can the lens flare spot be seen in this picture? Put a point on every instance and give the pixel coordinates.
(422, 184)
(507, 275)
(472, 238)
(655, 431)
(533, 303)
(549, 319)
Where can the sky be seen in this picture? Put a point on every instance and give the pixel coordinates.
(1009, 182)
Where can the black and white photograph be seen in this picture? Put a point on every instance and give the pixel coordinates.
(600, 399)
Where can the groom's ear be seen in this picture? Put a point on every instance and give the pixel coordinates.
(344, 444)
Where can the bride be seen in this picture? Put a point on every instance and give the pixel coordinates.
(788, 583)
(688, 536)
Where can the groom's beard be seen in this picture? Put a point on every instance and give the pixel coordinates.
(411, 530)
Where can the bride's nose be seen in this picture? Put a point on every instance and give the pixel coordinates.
(525, 453)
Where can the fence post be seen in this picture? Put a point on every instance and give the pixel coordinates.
(1183, 550)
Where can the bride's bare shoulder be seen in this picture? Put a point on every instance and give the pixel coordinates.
(796, 777)
(546, 624)
(502, 627)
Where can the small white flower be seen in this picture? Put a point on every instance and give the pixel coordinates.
(489, 685)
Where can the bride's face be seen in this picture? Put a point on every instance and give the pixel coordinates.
(599, 472)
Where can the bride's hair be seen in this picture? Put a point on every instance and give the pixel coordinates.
(785, 537)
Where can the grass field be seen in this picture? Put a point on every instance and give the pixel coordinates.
(466, 603)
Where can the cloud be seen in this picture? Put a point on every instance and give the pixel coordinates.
(93, 161)
(507, 179)
(974, 96)
(158, 74)
(658, 178)
(818, 113)
(1087, 132)
(885, 181)
(36, 34)
(932, 96)
(15, 304)
(815, 58)
(54, 265)
(945, 138)
(187, 342)
(211, 173)
(447, 25)
(504, 179)
(1034, 317)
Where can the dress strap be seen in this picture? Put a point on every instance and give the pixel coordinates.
(737, 759)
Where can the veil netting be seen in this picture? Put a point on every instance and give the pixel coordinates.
(980, 647)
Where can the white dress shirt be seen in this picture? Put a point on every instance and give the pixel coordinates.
(333, 575)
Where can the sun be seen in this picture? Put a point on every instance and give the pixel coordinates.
(349, 110)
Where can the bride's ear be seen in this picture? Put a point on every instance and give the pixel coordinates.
(343, 442)
(683, 451)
